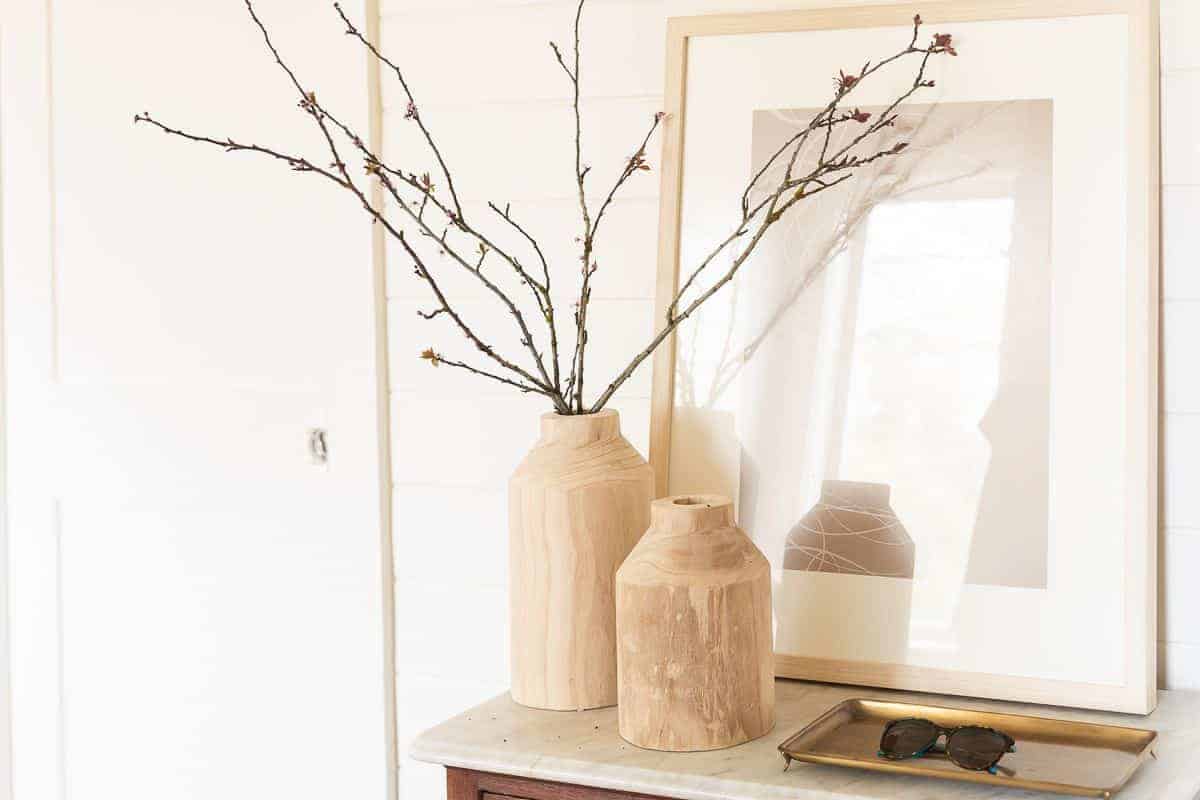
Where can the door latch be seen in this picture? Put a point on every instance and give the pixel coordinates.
(318, 446)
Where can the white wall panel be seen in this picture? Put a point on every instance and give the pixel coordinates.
(1179, 609)
(1180, 591)
(1181, 242)
(1180, 335)
(477, 544)
(1180, 34)
(1179, 665)
(510, 56)
(1181, 471)
(1181, 127)
(452, 639)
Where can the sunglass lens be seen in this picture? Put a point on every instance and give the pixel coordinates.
(976, 748)
(906, 738)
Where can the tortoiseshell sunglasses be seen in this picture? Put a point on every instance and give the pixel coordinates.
(972, 747)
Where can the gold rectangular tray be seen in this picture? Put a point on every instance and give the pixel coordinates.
(1075, 758)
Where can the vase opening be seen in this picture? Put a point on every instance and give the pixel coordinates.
(691, 513)
(691, 501)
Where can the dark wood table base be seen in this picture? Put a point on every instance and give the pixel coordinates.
(465, 784)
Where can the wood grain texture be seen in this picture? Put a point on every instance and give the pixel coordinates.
(578, 503)
(1143, 357)
(1143, 178)
(694, 654)
(662, 397)
(465, 784)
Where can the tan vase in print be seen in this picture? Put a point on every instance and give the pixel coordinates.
(577, 504)
(846, 589)
(854, 531)
(695, 661)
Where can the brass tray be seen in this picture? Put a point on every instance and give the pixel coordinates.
(1075, 758)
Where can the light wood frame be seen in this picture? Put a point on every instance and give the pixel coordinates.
(1138, 694)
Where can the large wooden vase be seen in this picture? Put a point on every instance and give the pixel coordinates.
(694, 657)
(577, 504)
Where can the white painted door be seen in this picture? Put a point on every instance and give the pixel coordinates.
(198, 609)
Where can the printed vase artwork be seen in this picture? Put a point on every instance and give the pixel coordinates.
(847, 568)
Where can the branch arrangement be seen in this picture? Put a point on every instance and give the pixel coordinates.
(436, 215)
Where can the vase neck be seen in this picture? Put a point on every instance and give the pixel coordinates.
(580, 430)
(693, 513)
(856, 494)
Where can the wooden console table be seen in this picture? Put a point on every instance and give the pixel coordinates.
(502, 751)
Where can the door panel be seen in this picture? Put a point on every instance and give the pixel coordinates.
(198, 607)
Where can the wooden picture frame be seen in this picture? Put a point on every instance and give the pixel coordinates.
(1136, 692)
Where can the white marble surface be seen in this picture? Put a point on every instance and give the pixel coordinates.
(584, 748)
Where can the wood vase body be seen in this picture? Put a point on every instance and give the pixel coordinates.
(695, 659)
(577, 504)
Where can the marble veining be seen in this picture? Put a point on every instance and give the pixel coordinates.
(584, 748)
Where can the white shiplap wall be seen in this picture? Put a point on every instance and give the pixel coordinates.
(500, 105)
(1179, 604)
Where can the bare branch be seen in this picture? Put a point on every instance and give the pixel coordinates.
(548, 307)
(636, 163)
(577, 360)
(437, 359)
(562, 63)
(413, 112)
(297, 163)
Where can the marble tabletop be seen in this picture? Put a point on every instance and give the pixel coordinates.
(584, 748)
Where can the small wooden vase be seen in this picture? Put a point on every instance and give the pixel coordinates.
(577, 504)
(694, 658)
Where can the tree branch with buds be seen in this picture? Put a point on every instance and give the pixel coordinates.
(439, 221)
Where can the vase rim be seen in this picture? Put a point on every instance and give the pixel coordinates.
(603, 413)
(871, 493)
(580, 430)
(696, 512)
(694, 501)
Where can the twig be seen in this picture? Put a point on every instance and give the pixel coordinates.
(297, 163)
(636, 163)
(575, 379)
(438, 359)
(413, 111)
(547, 307)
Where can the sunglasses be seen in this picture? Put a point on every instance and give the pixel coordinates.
(971, 747)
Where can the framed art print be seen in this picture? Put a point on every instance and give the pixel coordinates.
(931, 390)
